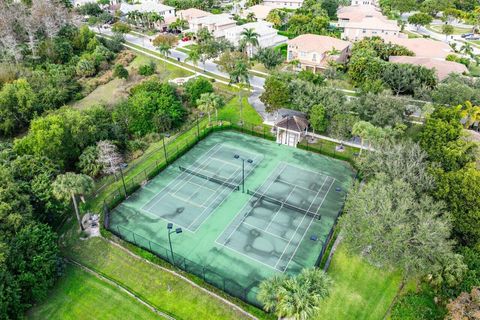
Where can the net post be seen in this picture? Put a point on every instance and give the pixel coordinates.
(134, 240)
(150, 245)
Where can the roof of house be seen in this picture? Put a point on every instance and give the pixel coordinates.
(442, 67)
(145, 7)
(260, 11)
(358, 12)
(217, 19)
(424, 48)
(316, 43)
(192, 13)
(260, 27)
(287, 1)
(374, 23)
(295, 123)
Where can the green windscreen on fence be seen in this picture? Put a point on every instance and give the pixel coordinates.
(249, 208)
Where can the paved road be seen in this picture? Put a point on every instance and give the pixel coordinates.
(256, 82)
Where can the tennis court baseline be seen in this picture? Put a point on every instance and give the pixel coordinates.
(275, 221)
(200, 188)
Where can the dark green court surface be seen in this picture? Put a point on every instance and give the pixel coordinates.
(236, 235)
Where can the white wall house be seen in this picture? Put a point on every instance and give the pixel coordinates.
(287, 4)
(267, 35)
(370, 27)
(364, 2)
(149, 6)
(216, 24)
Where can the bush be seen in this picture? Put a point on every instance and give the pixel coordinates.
(194, 88)
(85, 68)
(120, 72)
(147, 69)
(417, 306)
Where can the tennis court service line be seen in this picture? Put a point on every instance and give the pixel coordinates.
(279, 209)
(298, 226)
(311, 221)
(227, 196)
(174, 182)
(260, 229)
(243, 219)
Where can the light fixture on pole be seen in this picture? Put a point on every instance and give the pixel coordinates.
(243, 169)
(170, 231)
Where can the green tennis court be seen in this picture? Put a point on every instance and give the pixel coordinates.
(235, 235)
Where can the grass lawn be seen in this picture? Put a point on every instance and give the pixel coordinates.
(411, 35)
(360, 291)
(231, 112)
(80, 295)
(114, 91)
(162, 289)
(456, 30)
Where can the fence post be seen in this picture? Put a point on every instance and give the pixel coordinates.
(165, 151)
(135, 241)
(150, 245)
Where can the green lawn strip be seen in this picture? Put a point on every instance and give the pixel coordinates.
(360, 291)
(160, 288)
(329, 148)
(456, 30)
(231, 112)
(80, 295)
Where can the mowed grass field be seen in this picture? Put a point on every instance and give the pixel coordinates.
(81, 295)
(360, 291)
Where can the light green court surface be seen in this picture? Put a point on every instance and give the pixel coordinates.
(231, 238)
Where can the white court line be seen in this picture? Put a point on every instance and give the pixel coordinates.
(231, 163)
(248, 173)
(279, 209)
(247, 256)
(272, 234)
(296, 185)
(187, 201)
(320, 172)
(308, 227)
(301, 221)
(246, 204)
(176, 181)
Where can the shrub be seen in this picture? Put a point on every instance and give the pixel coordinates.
(147, 69)
(120, 72)
(417, 306)
(194, 88)
(85, 68)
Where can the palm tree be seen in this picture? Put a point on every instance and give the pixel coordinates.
(239, 76)
(164, 48)
(249, 39)
(194, 56)
(67, 186)
(297, 297)
(467, 49)
(209, 102)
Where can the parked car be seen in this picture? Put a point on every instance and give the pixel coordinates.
(467, 35)
(473, 37)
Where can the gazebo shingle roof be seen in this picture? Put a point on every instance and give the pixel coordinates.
(294, 123)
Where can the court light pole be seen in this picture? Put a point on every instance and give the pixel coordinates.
(243, 169)
(170, 231)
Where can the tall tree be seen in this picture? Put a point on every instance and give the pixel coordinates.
(249, 40)
(67, 186)
(210, 102)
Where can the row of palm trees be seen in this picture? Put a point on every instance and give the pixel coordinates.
(145, 19)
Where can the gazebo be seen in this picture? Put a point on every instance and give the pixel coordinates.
(291, 130)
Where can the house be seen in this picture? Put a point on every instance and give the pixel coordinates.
(192, 13)
(356, 14)
(291, 130)
(370, 27)
(259, 11)
(314, 52)
(145, 6)
(215, 23)
(267, 35)
(443, 68)
(424, 48)
(285, 4)
(364, 2)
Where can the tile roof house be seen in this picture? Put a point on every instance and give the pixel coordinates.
(260, 11)
(286, 4)
(443, 68)
(145, 6)
(424, 48)
(372, 26)
(356, 13)
(192, 13)
(291, 130)
(267, 35)
(215, 23)
(314, 52)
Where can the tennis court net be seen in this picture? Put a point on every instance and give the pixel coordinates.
(209, 178)
(284, 204)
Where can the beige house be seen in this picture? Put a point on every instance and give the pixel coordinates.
(286, 4)
(215, 23)
(424, 48)
(356, 14)
(364, 2)
(192, 13)
(443, 68)
(259, 11)
(370, 27)
(314, 52)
